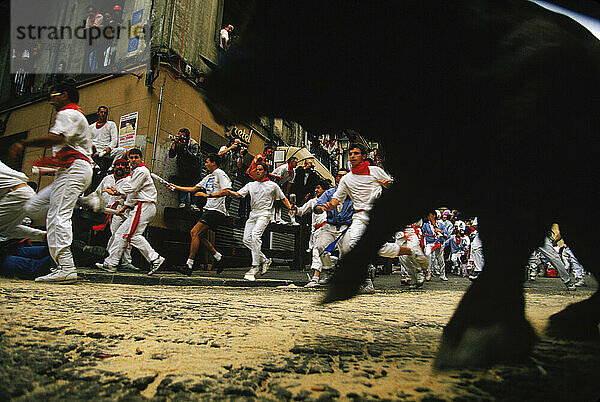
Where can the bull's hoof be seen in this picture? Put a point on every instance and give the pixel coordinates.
(574, 323)
(479, 347)
(339, 292)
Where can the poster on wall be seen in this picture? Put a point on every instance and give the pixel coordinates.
(127, 130)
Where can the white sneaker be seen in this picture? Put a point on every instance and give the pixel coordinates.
(579, 282)
(156, 264)
(194, 208)
(251, 274)
(443, 277)
(58, 275)
(265, 265)
(128, 266)
(314, 282)
(182, 205)
(106, 267)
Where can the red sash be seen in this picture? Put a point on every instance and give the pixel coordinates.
(320, 225)
(361, 169)
(99, 126)
(136, 220)
(99, 228)
(63, 158)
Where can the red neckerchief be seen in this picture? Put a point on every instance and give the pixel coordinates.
(100, 126)
(63, 158)
(362, 168)
(265, 179)
(73, 106)
(457, 239)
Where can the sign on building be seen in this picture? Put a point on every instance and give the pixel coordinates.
(127, 130)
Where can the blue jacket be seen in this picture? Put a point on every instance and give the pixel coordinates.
(455, 247)
(335, 217)
(430, 235)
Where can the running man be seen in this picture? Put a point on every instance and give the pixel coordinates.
(263, 193)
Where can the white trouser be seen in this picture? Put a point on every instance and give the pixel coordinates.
(360, 220)
(436, 259)
(455, 258)
(477, 258)
(570, 260)
(415, 263)
(255, 227)
(57, 201)
(12, 212)
(119, 243)
(115, 223)
(316, 263)
(324, 237)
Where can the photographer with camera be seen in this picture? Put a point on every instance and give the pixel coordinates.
(189, 163)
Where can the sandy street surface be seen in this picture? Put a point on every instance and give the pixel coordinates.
(97, 341)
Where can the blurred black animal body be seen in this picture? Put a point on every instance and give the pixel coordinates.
(495, 107)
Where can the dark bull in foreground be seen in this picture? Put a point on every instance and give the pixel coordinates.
(493, 106)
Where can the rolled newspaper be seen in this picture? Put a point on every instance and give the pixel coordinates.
(162, 181)
(43, 171)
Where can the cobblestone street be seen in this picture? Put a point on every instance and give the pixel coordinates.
(102, 341)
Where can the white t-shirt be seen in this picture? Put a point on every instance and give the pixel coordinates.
(10, 177)
(362, 189)
(309, 206)
(213, 183)
(73, 125)
(224, 37)
(262, 195)
(105, 136)
(285, 174)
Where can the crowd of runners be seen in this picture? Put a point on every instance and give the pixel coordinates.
(434, 246)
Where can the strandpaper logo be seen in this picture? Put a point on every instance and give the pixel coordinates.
(75, 37)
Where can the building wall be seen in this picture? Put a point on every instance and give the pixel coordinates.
(182, 106)
(189, 30)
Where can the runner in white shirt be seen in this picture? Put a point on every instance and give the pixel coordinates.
(14, 193)
(284, 176)
(263, 194)
(105, 136)
(141, 192)
(363, 185)
(121, 170)
(317, 224)
(72, 146)
(215, 186)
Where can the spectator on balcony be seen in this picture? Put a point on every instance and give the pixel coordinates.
(224, 41)
(187, 152)
(94, 20)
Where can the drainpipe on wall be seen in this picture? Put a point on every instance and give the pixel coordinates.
(156, 131)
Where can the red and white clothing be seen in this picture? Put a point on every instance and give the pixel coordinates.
(57, 200)
(141, 192)
(317, 224)
(284, 175)
(12, 202)
(363, 190)
(106, 136)
(262, 197)
(114, 202)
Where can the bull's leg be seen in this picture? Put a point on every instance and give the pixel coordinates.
(489, 324)
(352, 269)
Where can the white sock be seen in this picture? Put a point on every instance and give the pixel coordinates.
(190, 263)
(217, 256)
